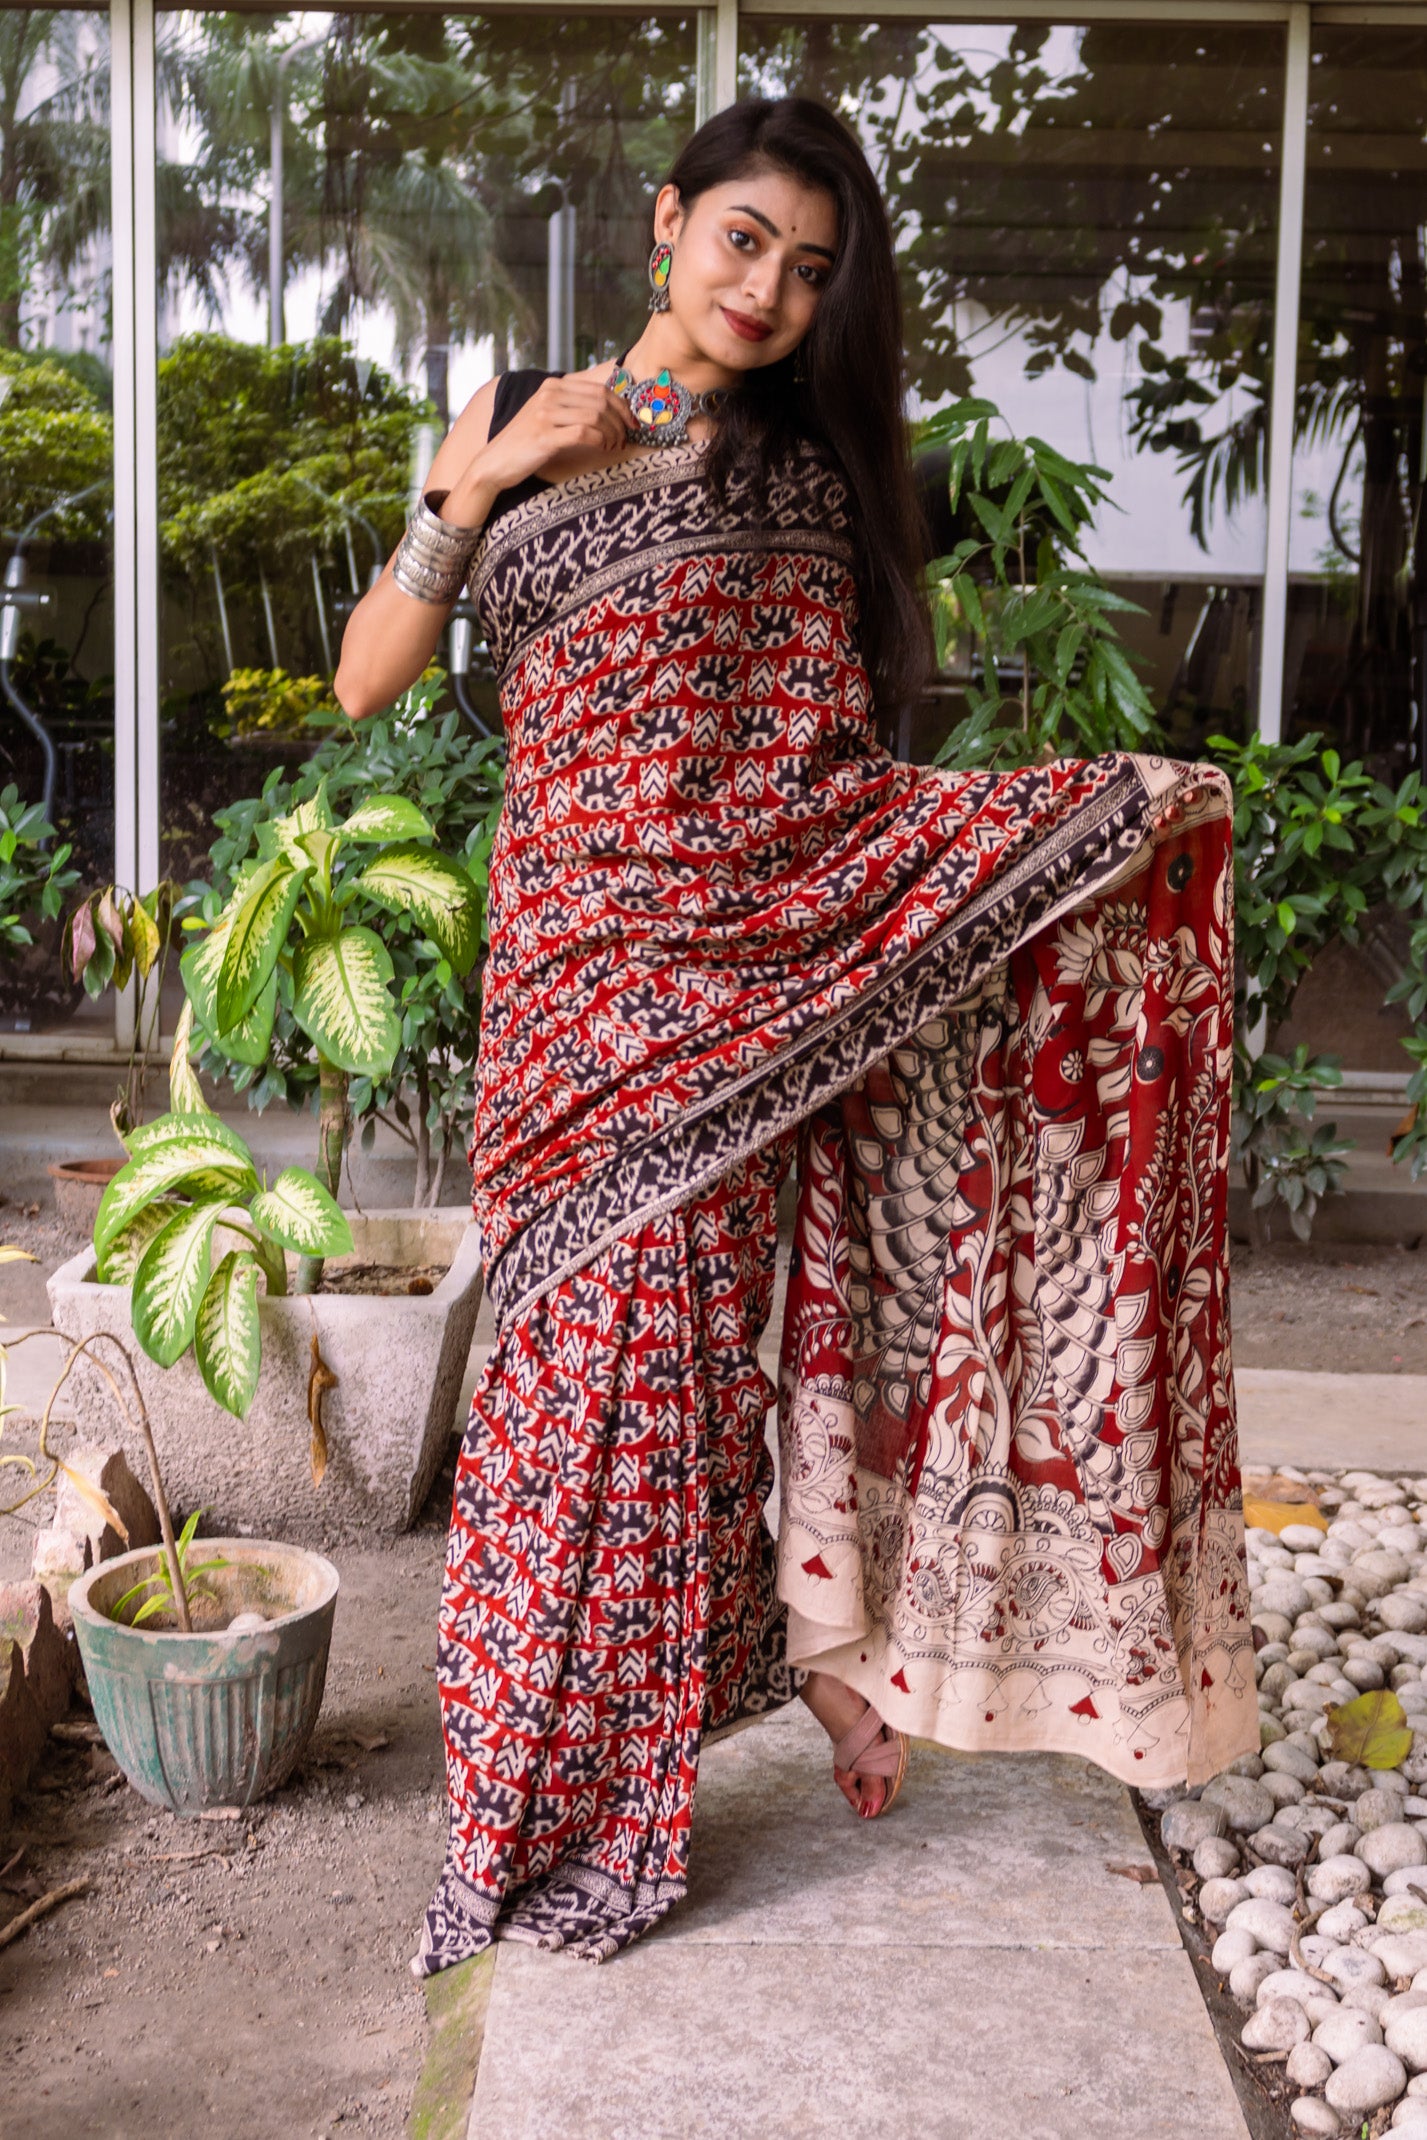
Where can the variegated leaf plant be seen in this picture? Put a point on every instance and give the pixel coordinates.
(190, 1180)
(303, 923)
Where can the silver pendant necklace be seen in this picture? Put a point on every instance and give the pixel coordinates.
(663, 405)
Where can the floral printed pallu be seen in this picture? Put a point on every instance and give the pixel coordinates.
(991, 1012)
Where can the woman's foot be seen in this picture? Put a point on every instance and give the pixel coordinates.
(838, 1708)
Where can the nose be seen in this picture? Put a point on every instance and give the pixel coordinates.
(761, 283)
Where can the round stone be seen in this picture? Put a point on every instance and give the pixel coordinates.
(1402, 1954)
(1341, 1922)
(1280, 1847)
(1273, 1626)
(1350, 1966)
(1403, 2002)
(1286, 1759)
(1276, 2025)
(1271, 1883)
(1246, 1977)
(1391, 1848)
(1270, 1923)
(1294, 1984)
(1336, 1878)
(1339, 1841)
(1403, 1611)
(1402, 1913)
(1230, 1948)
(1406, 2034)
(1367, 2080)
(1375, 1572)
(1190, 1823)
(1217, 1898)
(1365, 1673)
(1283, 1593)
(1346, 2031)
(1372, 1998)
(1283, 1790)
(1246, 1803)
(1314, 2118)
(1410, 2117)
(1301, 1537)
(1344, 1779)
(1217, 1858)
(1307, 2066)
(1373, 1810)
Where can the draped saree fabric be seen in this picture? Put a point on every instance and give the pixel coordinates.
(992, 1014)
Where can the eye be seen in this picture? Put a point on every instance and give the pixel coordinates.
(740, 237)
(814, 277)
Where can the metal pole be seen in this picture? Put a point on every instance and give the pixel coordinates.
(1287, 292)
(126, 617)
(277, 130)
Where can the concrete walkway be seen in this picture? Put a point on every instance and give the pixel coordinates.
(969, 1967)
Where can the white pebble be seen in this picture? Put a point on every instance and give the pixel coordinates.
(1367, 2080)
(1406, 2034)
(1307, 2066)
(1275, 2026)
(1231, 1948)
(1314, 2119)
(1246, 1977)
(1341, 1922)
(1270, 1923)
(1346, 2031)
(1216, 1858)
(1219, 1898)
(1271, 1883)
(1337, 1878)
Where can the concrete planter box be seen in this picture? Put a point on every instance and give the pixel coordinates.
(399, 1364)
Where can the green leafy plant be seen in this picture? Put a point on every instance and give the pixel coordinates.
(1317, 845)
(35, 878)
(299, 929)
(270, 702)
(1045, 668)
(162, 1593)
(189, 1177)
(425, 1096)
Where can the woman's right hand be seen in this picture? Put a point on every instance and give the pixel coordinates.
(389, 637)
(566, 416)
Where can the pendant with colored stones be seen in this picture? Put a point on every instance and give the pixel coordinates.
(662, 406)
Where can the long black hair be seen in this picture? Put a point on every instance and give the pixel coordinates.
(843, 387)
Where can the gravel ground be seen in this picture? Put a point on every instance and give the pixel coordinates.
(1307, 1871)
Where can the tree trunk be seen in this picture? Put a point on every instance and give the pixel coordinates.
(333, 1124)
(421, 1193)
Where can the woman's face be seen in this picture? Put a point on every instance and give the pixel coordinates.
(751, 261)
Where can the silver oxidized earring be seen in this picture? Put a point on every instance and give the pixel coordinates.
(660, 262)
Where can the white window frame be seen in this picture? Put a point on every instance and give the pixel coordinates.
(135, 350)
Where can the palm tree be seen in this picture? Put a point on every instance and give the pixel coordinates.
(54, 151)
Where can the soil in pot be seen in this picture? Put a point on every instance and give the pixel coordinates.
(385, 1279)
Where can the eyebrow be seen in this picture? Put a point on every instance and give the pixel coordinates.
(742, 208)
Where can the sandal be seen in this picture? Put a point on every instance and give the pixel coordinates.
(863, 1751)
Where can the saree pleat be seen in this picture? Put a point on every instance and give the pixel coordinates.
(993, 1013)
(610, 1590)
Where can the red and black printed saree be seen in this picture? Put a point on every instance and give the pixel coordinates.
(991, 1015)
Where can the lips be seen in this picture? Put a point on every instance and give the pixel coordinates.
(748, 330)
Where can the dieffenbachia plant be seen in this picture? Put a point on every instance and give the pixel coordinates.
(188, 1176)
(299, 925)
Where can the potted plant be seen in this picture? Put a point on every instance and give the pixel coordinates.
(425, 1098)
(191, 1243)
(205, 1660)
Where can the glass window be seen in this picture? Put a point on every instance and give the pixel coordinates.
(1085, 217)
(452, 195)
(56, 489)
(1357, 630)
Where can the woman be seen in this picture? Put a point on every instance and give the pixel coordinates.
(990, 1013)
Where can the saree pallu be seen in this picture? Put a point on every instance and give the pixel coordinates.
(993, 1011)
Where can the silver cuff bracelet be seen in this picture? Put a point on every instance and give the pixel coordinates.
(433, 558)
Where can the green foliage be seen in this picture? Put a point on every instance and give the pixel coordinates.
(309, 442)
(269, 702)
(34, 877)
(188, 1175)
(159, 1585)
(56, 438)
(456, 784)
(110, 939)
(1046, 671)
(1317, 844)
